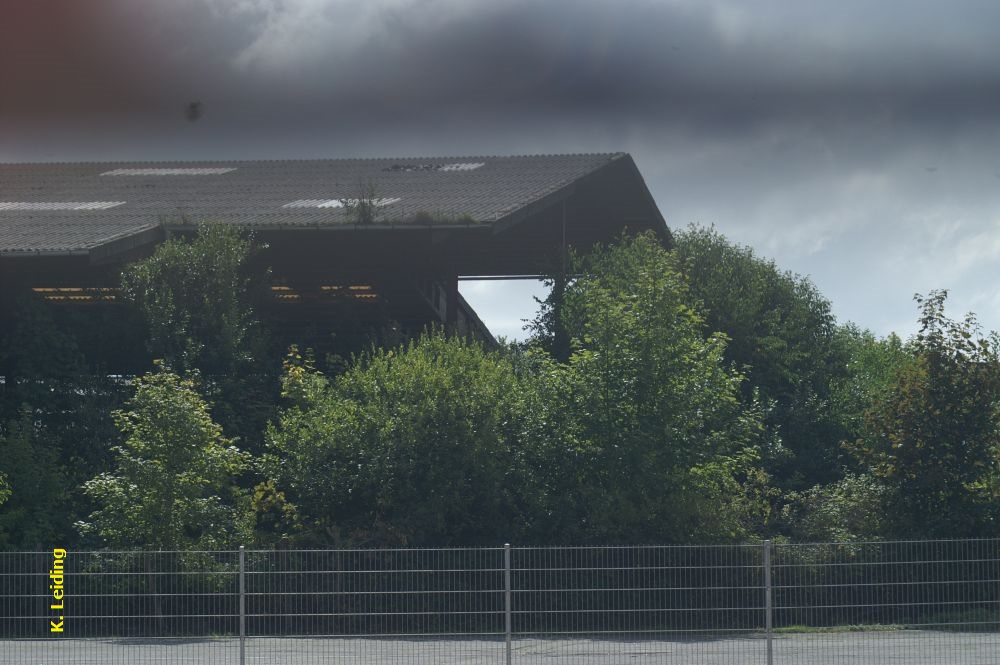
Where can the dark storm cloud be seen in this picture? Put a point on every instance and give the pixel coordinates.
(689, 63)
(710, 66)
(698, 69)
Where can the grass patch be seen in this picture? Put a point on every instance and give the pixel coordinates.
(852, 628)
(425, 217)
(979, 620)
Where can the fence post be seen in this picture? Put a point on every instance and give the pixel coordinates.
(243, 607)
(768, 608)
(507, 609)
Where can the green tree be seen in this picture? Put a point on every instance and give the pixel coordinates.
(548, 329)
(872, 370)
(196, 298)
(37, 348)
(55, 425)
(857, 506)
(852, 509)
(934, 438)
(172, 485)
(37, 512)
(783, 335)
(408, 446)
(652, 441)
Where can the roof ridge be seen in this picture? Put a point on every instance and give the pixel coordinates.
(612, 155)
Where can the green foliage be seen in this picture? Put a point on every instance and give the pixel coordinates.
(700, 395)
(857, 507)
(852, 509)
(56, 410)
(36, 510)
(934, 438)
(47, 345)
(366, 208)
(38, 348)
(872, 369)
(782, 334)
(548, 328)
(46, 369)
(408, 446)
(438, 217)
(652, 437)
(172, 483)
(194, 296)
(976, 620)
(799, 629)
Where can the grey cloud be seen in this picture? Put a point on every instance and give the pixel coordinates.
(713, 66)
(649, 61)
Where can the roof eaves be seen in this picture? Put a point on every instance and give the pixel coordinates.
(33, 253)
(125, 242)
(314, 160)
(340, 227)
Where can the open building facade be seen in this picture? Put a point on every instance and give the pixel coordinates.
(349, 242)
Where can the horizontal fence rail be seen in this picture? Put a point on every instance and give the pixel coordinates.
(926, 602)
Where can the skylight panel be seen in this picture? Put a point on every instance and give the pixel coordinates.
(462, 166)
(61, 205)
(171, 171)
(314, 203)
(381, 203)
(337, 203)
(456, 166)
(409, 168)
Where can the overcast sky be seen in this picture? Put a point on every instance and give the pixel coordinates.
(856, 142)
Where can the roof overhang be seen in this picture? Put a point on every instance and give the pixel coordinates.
(604, 198)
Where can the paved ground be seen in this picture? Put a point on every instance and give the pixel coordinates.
(858, 648)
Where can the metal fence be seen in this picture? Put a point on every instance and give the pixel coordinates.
(914, 602)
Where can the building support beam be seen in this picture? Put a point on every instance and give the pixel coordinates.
(451, 309)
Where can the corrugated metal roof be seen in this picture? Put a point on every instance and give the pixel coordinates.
(258, 194)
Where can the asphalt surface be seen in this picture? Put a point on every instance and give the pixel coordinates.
(853, 648)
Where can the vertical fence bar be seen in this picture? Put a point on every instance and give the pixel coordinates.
(768, 609)
(243, 607)
(506, 602)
